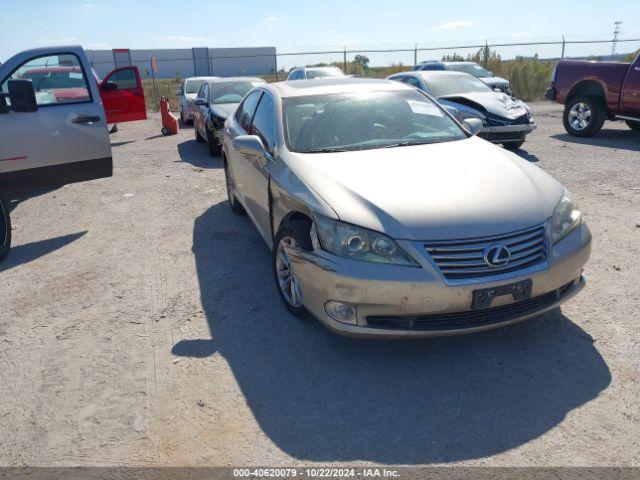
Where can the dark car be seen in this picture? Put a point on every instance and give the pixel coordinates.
(505, 119)
(593, 92)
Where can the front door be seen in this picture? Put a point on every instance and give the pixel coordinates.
(66, 139)
(630, 99)
(122, 96)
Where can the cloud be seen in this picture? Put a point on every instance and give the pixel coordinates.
(274, 19)
(88, 5)
(454, 24)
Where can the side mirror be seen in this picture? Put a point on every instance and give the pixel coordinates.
(109, 87)
(249, 145)
(472, 125)
(22, 96)
(200, 101)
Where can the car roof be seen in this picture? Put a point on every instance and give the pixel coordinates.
(188, 79)
(460, 63)
(440, 73)
(236, 79)
(300, 88)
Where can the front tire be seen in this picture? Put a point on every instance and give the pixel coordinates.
(234, 205)
(633, 125)
(295, 234)
(5, 228)
(199, 137)
(584, 116)
(212, 143)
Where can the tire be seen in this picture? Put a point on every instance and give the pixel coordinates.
(212, 143)
(584, 116)
(296, 233)
(199, 137)
(182, 117)
(633, 125)
(5, 228)
(235, 206)
(164, 131)
(513, 145)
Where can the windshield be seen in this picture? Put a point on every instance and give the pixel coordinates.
(472, 69)
(362, 121)
(325, 72)
(230, 92)
(193, 86)
(443, 85)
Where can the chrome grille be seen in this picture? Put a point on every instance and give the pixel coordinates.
(465, 259)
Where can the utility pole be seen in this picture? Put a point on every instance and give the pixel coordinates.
(616, 32)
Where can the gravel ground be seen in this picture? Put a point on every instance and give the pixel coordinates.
(139, 325)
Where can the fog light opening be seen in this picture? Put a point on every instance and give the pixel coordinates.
(342, 312)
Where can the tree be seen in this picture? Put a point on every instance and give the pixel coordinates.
(362, 61)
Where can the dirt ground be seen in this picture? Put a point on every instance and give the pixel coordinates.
(139, 325)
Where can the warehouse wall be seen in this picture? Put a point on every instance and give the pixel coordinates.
(187, 62)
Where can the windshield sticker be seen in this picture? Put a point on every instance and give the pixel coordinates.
(424, 108)
(76, 75)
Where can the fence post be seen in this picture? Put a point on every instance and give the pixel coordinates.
(275, 63)
(485, 60)
(155, 88)
(563, 44)
(345, 59)
(415, 54)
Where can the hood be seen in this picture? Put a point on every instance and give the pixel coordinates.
(495, 81)
(461, 189)
(224, 110)
(494, 103)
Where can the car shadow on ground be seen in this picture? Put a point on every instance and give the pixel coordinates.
(530, 157)
(608, 137)
(29, 252)
(322, 397)
(197, 154)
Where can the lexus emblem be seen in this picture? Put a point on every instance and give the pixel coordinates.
(497, 256)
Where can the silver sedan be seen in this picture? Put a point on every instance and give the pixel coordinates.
(387, 217)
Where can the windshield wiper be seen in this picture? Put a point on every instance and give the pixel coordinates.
(405, 143)
(324, 150)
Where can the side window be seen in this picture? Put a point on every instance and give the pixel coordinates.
(244, 115)
(124, 79)
(56, 79)
(263, 125)
(411, 81)
(201, 92)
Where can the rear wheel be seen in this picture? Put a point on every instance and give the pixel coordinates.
(234, 205)
(5, 228)
(294, 234)
(633, 125)
(583, 116)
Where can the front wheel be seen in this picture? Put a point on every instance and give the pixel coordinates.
(584, 116)
(212, 142)
(5, 228)
(633, 125)
(295, 235)
(199, 138)
(234, 205)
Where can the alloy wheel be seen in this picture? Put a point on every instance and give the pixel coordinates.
(580, 116)
(287, 281)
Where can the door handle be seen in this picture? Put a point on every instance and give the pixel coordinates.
(86, 119)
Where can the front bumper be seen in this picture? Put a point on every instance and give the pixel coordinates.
(507, 133)
(393, 301)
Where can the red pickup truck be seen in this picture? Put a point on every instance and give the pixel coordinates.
(593, 92)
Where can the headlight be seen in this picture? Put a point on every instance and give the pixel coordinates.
(358, 243)
(566, 217)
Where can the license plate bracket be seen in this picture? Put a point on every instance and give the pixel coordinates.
(483, 297)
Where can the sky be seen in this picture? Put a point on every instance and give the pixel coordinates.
(294, 25)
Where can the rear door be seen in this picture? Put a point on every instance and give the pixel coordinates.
(122, 95)
(66, 139)
(630, 99)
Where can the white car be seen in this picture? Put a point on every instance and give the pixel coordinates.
(188, 93)
(311, 73)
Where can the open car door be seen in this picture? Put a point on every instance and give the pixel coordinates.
(53, 129)
(122, 95)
